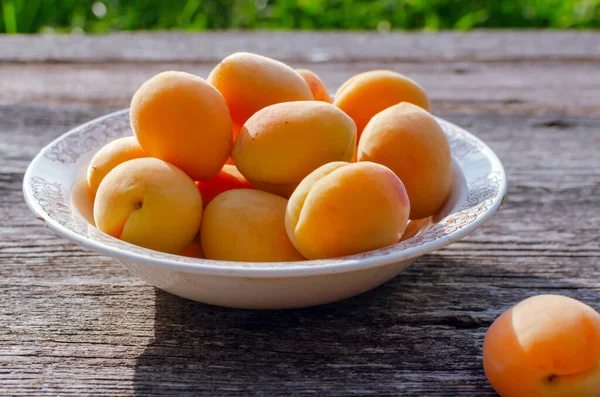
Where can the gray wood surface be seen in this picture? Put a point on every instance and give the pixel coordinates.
(75, 323)
(316, 47)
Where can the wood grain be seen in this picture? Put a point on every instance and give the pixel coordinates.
(455, 87)
(314, 47)
(76, 323)
(502, 72)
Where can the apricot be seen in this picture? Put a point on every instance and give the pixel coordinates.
(236, 131)
(111, 155)
(282, 143)
(82, 200)
(316, 85)
(250, 82)
(247, 225)
(180, 118)
(409, 141)
(347, 208)
(150, 203)
(194, 249)
(229, 178)
(547, 345)
(368, 93)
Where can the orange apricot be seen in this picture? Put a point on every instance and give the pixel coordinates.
(180, 118)
(347, 208)
(282, 143)
(368, 93)
(194, 249)
(545, 346)
(250, 82)
(229, 178)
(409, 141)
(247, 225)
(316, 85)
(150, 203)
(111, 155)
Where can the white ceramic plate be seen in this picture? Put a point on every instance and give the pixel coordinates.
(51, 191)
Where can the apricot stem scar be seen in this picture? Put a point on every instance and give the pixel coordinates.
(552, 378)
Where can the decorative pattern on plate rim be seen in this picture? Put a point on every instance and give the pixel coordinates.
(87, 137)
(461, 144)
(49, 196)
(481, 196)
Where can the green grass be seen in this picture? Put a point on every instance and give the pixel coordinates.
(32, 16)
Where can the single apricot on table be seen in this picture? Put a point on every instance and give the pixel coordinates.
(368, 93)
(545, 346)
(409, 141)
(250, 82)
(282, 143)
(111, 155)
(227, 179)
(248, 226)
(150, 203)
(180, 118)
(316, 85)
(347, 208)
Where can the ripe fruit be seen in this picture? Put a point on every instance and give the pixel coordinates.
(229, 178)
(250, 82)
(346, 208)
(409, 141)
(180, 118)
(283, 143)
(194, 249)
(247, 225)
(150, 203)
(316, 85)
(111, 155)
(366, 94)
(545, 346)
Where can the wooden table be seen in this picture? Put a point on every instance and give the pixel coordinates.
(74, 322)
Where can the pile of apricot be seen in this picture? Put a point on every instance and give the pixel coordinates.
(258, 164)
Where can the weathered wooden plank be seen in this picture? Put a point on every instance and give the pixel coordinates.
(384, 342)
(315, 47)
(455, 87)
(78, 323)
(403, 336)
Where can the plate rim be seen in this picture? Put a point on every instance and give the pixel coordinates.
(264, 269)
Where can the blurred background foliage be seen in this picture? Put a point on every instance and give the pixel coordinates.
(100, 16)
